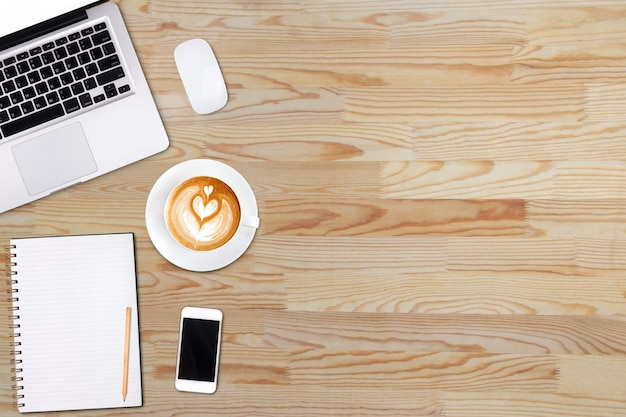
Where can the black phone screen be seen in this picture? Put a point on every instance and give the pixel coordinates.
(198, 349)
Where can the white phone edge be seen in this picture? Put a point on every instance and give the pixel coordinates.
(205, 387)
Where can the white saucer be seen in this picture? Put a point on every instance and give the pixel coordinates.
(173, 251)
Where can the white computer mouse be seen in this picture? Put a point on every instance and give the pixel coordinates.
(201, 76)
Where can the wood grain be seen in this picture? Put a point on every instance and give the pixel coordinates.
(442, 198)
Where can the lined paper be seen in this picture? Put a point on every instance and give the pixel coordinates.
(72, 297)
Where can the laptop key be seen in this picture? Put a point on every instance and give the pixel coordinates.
(91, 69)
(85, 100)
(83, 58)
(28, 107)
(85, 44)
(47, 58)
(71, 105)
(15, 112)
(58, 67)
(54, 83)
(66, 78)
(109, 62)
(73, 48)
(96, 53)
(41, 88)
(65, 93)
(10, 72)
(60, 53)
(46, 72)
(32, 120)
(90, 83)
(17, 97)
(108, 49)
(52, 97)
(110, 76)
(79, 73)
(34, 77)
(110, 90)
(4, 116)
(21, 81)
(29, 93)
(71, 63)
(8, 86)
(5, 103)
(40, 103)
(78, 88)
(22, 67)
(101, 37)
(35, 62)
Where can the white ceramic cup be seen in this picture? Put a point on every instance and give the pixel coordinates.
(181, 255)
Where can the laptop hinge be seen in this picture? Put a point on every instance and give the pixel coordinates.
(42, 28)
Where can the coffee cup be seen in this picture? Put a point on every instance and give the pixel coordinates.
(204, 213)
(201, 215)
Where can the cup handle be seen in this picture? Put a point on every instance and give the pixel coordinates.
(250, 221)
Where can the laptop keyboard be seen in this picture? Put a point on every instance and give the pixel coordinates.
(59, 78)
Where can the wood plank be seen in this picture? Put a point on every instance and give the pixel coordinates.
(458, 292)
(530, 404)
(364, 217)
(482, 333)
(470, 179)
(463, 104)
(509, 141)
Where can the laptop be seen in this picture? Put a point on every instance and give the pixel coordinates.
(74, 102)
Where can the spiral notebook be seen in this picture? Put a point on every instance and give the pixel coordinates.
(76, 332)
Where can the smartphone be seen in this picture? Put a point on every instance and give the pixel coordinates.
(198, 349)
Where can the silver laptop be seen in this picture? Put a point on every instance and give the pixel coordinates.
(74, 102)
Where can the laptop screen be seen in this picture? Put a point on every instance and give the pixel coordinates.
(20, 14)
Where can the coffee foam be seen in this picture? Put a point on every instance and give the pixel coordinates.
(202, 213)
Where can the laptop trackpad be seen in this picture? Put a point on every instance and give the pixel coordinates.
(55, 158)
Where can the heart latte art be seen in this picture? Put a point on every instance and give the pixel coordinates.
(202, 213)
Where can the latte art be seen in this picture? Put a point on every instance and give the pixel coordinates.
(202, 213)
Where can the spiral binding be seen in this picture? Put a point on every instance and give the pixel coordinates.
(16, 362)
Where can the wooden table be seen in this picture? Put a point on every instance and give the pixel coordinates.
(441, 187)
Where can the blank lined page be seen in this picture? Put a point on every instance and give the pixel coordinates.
(72, 297)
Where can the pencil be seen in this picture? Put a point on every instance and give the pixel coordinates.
(126, 353)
